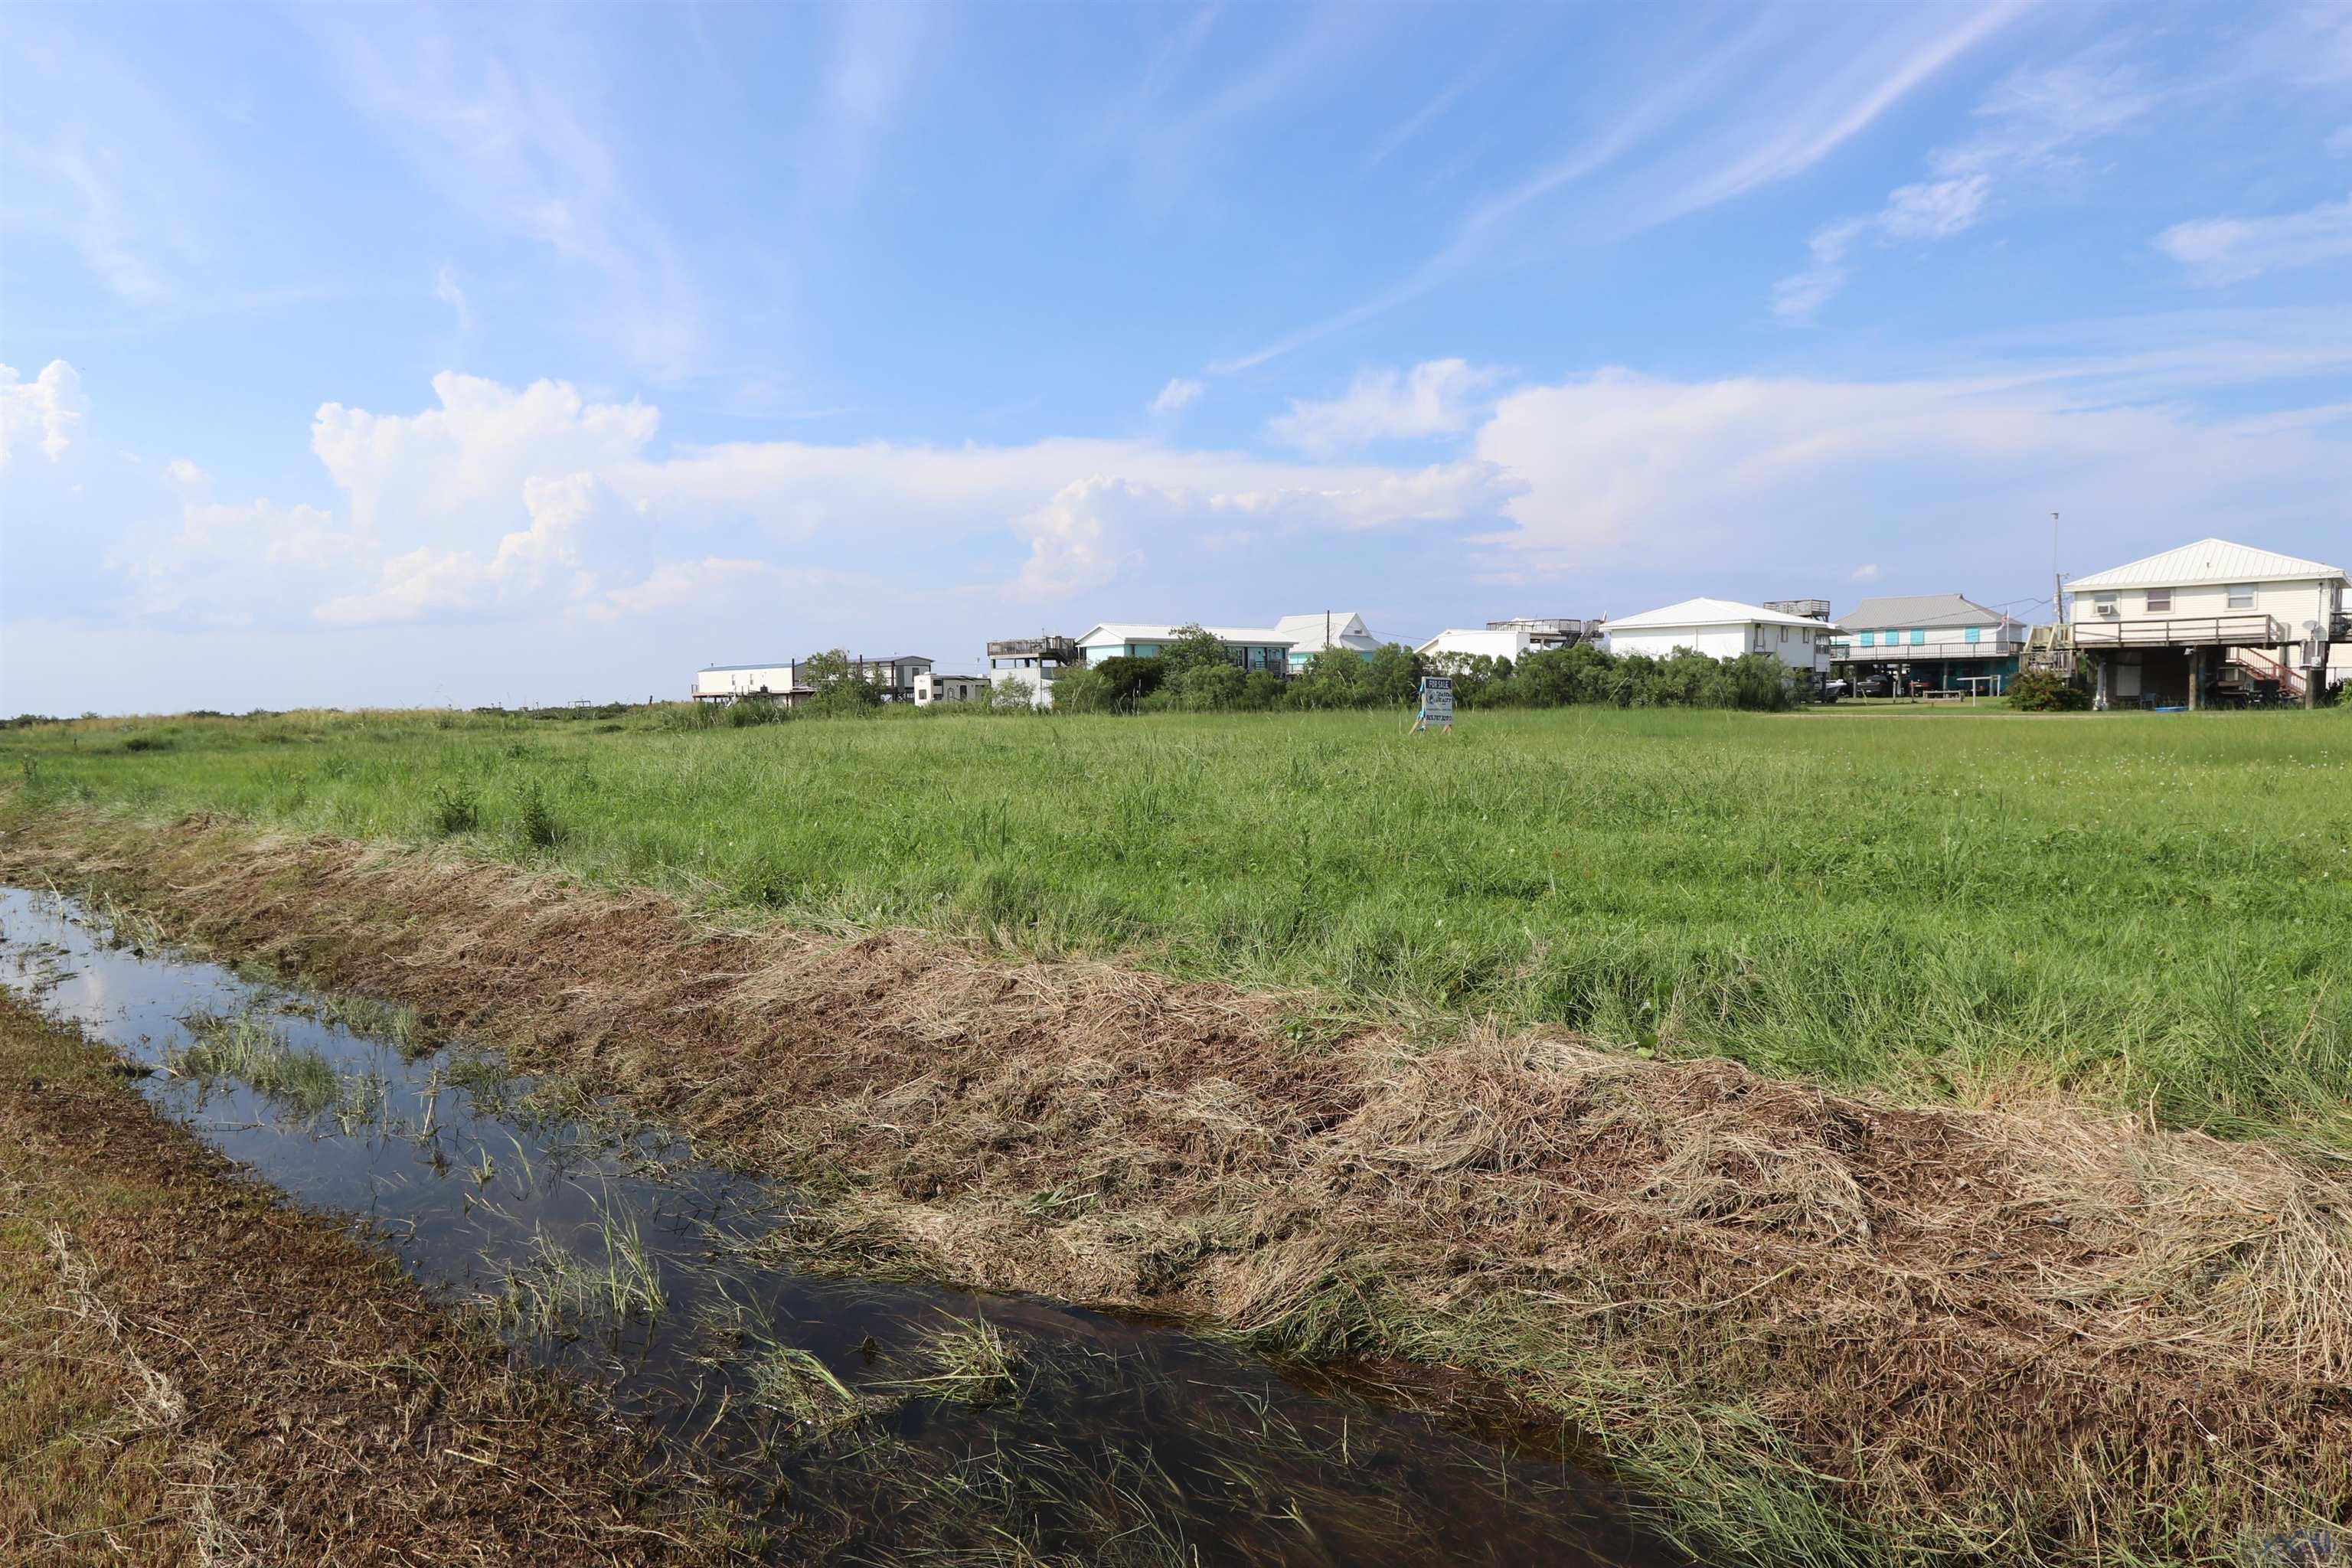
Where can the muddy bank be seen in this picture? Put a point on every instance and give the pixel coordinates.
(1816, 1323)
(197, 1373)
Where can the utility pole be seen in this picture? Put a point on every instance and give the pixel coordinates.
(2057, 583)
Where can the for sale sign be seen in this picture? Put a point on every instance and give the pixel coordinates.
(1436, 703)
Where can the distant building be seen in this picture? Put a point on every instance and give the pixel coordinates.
(1513, 639)
(1339, 630)
(1953, 644)
(788, 682)
(931, 687)
(729, 682)
(1252, 647)
(1724, 628)
(1036, 662)
(896, 677)
(2209, 620)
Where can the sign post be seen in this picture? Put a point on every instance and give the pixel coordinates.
(1436, 705)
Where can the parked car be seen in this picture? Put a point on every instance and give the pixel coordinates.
(1834, 689)
(1875, 686)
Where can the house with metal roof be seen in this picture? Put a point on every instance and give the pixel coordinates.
(1252, 647)
(2209, 621)
(1724, 628)
(1946, 642)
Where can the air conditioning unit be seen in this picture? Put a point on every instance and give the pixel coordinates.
(2106, 610)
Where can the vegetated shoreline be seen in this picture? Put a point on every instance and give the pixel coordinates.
(196, 1373)
(1816, 1328)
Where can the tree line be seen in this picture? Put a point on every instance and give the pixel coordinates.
(1195, 673)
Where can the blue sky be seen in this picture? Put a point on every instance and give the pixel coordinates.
(375, 356)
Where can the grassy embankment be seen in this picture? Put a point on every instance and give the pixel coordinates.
(2137, 912)
(192, 1372)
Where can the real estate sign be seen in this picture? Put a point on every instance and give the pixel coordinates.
(1436, 703)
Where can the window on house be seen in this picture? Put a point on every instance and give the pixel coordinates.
(1976, 633)
(2105, 604)
(2159, 599)
(1918, 634)
(2242, 595)
(1869, 639)
(1784, 634)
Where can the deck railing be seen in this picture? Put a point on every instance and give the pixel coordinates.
(2251, 629)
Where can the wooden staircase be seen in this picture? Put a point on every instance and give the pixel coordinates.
(2051, 648)
(2261, 663)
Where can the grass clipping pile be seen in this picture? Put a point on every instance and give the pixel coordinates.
(1813, 1328)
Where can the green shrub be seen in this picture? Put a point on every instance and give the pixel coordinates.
(455, 809)
(2040, 692)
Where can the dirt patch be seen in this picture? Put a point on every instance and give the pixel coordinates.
(247, 1383)
(1811, 1323)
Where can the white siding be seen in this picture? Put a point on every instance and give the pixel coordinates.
(1508, 645)
(776, 678)
(2289, 602)
(1806, 649)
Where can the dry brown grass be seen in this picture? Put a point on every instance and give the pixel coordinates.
(1819, 1327)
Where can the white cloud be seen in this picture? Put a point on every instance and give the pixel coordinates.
(1936, 211)
(508, 502)
(446, 289)
(2035, 122)
(1179, 393)
(1439, 397)
(44, 412)
(2219, 250)
(187, 477)
(1868, 571)
(507, 120)
(1801, 83)
(1617, 466)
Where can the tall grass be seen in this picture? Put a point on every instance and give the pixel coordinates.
(2152, 911)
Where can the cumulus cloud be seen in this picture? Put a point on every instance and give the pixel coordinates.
(185, 476)
(1868, 571)
(44, 412)
(1179, 393)
(504, 503)
(2219, 250)
(1439, 397)
(1618, 468)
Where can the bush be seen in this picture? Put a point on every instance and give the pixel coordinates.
(455, 810)
(745, 711)
(540, 828)
(1083, 690)
(2040, 692)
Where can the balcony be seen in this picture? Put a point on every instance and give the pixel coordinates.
(2249, 628)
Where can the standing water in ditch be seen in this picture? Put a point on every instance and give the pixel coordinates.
(861, 1421)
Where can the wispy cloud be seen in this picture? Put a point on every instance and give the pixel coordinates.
(2219, 250)
(2035, 121)
(1178, 393)
(1668, 153)
(504, 121)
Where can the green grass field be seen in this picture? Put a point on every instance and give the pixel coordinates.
(2151, 912)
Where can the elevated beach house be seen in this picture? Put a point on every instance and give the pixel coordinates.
(1948, 641)
(2212, 620)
